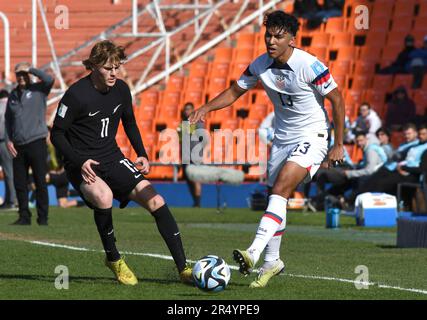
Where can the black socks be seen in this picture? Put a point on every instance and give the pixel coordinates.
(104, 223)
(169, 230)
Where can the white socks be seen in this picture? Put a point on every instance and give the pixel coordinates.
(270, 229)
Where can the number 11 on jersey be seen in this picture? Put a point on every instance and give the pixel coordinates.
(104, 131)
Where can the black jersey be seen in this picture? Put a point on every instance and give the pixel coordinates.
(86, 123)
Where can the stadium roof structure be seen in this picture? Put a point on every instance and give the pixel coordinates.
(160, 37)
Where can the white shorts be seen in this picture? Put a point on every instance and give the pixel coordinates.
(309, 152)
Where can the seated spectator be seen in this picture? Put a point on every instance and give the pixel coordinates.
(306, 8)
(367, 121)
(418, 64)
(383, 136)
(406, 170)
(401, 64)
(317, 14)
(400, 110)
(344, 178)
(410, 134)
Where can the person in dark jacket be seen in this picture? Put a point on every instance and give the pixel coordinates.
(27, 131)
(401, 64)
(400, 110)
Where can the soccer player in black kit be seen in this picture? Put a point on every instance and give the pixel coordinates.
(84, 132)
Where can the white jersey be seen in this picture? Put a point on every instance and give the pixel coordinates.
(296, 89)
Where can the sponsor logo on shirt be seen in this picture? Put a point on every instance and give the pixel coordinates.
(62, 110)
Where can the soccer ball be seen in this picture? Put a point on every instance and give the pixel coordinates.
(211, 273)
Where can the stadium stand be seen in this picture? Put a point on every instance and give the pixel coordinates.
(353, 56)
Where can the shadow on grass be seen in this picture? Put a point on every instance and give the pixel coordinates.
(387, 246)
(81, 279)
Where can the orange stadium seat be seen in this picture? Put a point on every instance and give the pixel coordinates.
(353, 97)
(382, 82)
(195, 97)
(258, 111)
(420, 99)
(361, 82)
(341, 81)
(223, 55)
(404, 8)
(396, 38)
(196, 84)
(340, 67)
(145, 112)
(250, 123)
(215, 86)
(145, 125)
(149, 97)
(341, 39)
(320, 53)
(422, 10)
(225, 113)
(219, 70)
(379, 24)
(320, 40)
(347, 53)
(370, 53)
(402, 80)
(246, 40)
(376, 38)
(336, 24)
(199, 69)
(382, 9)
(365, 67)
(376, 98)
(420, 24)
(175, 83)
(232, 124)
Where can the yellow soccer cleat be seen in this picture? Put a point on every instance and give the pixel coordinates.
(186, 275)
(265, 274)
(123, 274)
(245, 261)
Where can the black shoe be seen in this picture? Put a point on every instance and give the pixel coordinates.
(42, 222)
(22, 222)
(8, 206)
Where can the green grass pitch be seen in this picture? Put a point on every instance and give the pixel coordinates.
(320, 262)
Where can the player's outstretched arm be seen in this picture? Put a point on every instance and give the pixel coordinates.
(336, 154)
(224, 99)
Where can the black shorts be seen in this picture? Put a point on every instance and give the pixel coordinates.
(120, 175)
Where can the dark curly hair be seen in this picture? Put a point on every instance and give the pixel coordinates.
(282, 21)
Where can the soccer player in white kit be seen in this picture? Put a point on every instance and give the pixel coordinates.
(296, 82)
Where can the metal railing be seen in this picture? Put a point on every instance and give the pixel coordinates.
(6, 26)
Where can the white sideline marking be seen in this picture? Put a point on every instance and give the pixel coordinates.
(165, 257)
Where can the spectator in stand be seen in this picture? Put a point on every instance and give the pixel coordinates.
(402, 62)
(317, 14)
(418, 64)
(306, 8)
(6, 161)
(406, 170)
(400, 110)
(383, 136)
(367, 121)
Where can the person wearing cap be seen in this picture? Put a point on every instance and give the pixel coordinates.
(401, 64)
(26, 133)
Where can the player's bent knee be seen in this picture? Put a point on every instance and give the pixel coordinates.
(102, 199)
(155, 203)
